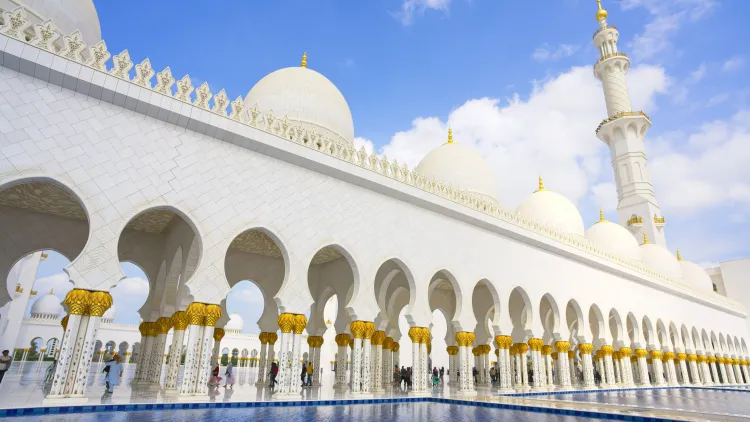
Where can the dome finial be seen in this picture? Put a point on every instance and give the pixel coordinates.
(679, 257)
(645, 239)
(304, 59)
(450, 135)
(601, 215)
(52, 291)
(601, 13)
(541, 184)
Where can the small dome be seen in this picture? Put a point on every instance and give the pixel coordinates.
(615, 239)
(695, 276)
(460, 166)
(109, 315)
(235, 324)
(305, 96)
(659, 259)
(550, 208)
(47, 307)
(67, 15)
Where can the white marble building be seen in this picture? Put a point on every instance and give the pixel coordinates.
(112, 162)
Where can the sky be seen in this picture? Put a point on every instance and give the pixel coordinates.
(513, 79)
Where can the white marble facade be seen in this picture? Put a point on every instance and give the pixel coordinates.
(105, 161)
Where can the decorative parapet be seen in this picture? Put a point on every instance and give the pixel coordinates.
(659, 220)
(635, 220)
(609, 56)
(15, 25)
(621, 115)
(604, 28)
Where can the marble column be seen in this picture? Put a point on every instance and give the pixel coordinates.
(549, 375)
(396, 358)
(746, 371)
(163, 325)
(218, 334)
(378, 338)
(713, 366)
(465, 339)
(627, 372)
(616, 366)
(369, 331)
(737, 371)
(415, 335)
(357, 328)
(261, 378)
(452, 351)
(146, 352)
(317, 368)
(285, 376)
(695, 378)
(535, 344)
(387, 379)
(295, 383)
(656, 356)
(563, 364)
(705, 370)
(195, 315)
(609, 369)
(342, 340)
(587, 364)
(572, 368)
(211, 314)
(80, 333)
(643, 380)
(670, 369)
(504, 372)
(179, 324)
(683, 378)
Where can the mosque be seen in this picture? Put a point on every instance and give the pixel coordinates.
(106, 161)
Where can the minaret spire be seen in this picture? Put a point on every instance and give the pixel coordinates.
(624, 132)
(304, 59)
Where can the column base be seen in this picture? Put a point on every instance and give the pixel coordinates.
(341, 387)
(64, 400)
(471, 393)
(286, 396)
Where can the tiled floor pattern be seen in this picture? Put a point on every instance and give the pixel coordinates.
(25, 387)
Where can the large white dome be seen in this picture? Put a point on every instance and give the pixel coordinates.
(615, 239)
(306, 96)
(67, 15)
(109, 315)
(659, 259)
(551, 208)
(696, 276)
(235, 324)
(47, 307)
(460, 166)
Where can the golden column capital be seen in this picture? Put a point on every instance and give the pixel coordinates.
(692, 357)
(342, 340)
(562, 346)
(300, 323)
(626, 351)
(271, 338)
(286, 322)
(99, 302)
(655, 354)
(536, 344)
(503, 342)
(571, 354)
(701, 358)
(546, 350)
(212, 314)
(668, 356)
(77, 301)
(607, 350)
(681, 356)
(263, 337)
(180, 320)
(396, 346)
(195, 313)
(357, 328)
(64, 322)
(387, 343)
(369, 330)
(465, 338)
(641, 353)
(415, 334)
(163, 325)
(522, 348)
(721, 360)
(218, 334)
(378, 338)
(712, 359)
(585, 348)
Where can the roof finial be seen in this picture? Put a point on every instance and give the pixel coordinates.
(645, 239)
(52, 291)
(601, 13)
(450, 135)
(304, 59)
(679, 257)
(541, 184)
(601, 215)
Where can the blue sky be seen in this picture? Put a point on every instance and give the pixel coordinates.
(514, 80)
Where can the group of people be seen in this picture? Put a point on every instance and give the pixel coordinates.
(403, 378)
(229, 373)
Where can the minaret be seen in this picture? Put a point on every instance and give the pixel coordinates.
(624, 132)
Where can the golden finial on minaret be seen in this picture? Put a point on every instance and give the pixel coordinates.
(541, 184)
(601, 215)
(52, 291)
(304, 59)
(450, 135)
(679, 257)
(645, 239)
(601, 13)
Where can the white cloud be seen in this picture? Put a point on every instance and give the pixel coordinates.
(410, 8)
(562, 51)
(551, 133)
(735, 63)
(604, 195)
(667, 16)
(362, 142)
(709, 170)
(698, 74)
(248, 296)
(717, 99)
(59, 282)
(128, 297)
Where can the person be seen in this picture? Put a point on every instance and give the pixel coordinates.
(5, 361)
(475, 372)
(435, 377)
(403, 376)
(442, 373)
(396, 377)
(230, 375)
(309, 374)
(493, 375)
(273, 373)
(106, 371)
(114, 374)
(303, 375)
(215, 378)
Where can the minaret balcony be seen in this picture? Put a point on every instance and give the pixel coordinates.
(611, 56)
(635, 224)
(623, 117)
(660, 222)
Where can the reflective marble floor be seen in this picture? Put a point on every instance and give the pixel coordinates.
(25, 387)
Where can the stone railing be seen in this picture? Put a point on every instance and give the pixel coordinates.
(609, 56)
(46, 37)
(620, 115)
